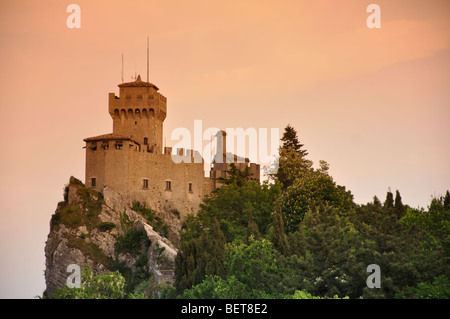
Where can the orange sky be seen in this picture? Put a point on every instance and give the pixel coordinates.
(373, 103)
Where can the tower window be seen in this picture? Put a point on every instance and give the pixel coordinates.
(168, 185)
(145, 140)
(190, 187)
(119, 145)
(93, 182)
(145, 183)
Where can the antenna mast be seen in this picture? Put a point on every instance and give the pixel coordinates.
(122, 67)
(147, 59)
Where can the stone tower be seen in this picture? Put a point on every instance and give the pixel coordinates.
(139, 112)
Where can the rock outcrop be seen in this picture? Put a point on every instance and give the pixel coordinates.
(94, 229)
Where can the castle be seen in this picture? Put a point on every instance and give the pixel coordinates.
(133, 161)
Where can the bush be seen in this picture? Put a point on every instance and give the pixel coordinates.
(131, 242)
(105, 226)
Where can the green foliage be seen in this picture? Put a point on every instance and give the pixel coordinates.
(103, 286)
(314, 188)
(142, 209)
(176, 212)
(214, 287)
(292, 162)
(304, 237)
(136, 243)
(291, 166)
(105, 226)
(235, 176)
(251, 264)
(438, 289)
(233, 205)
(389, 202)
(231, 213)
(199, 257)
(277, 234)
(84, 212)
(66, 194)
(152, 219)
(132, 242)
(435, 223)
(304, 295)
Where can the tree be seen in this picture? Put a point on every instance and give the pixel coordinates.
(447, 201)
(252, 230)
(315, 188)
(290, 140)
(389, 202)
(435, 222)
(234, 205)
(110, 285)
(292, 162)
(376, 201)
(252, 264)
(235, 176)
(398, 205)
(278, 236)
(291, 165)
(199, 257)
(215, 287)
(438, 289)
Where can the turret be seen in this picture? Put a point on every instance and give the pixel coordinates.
(139, 112)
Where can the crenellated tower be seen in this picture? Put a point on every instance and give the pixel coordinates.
(139, 112)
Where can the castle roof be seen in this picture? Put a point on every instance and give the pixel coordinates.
(108, 137)
(138, 83)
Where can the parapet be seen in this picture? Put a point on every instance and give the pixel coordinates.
(184, 155)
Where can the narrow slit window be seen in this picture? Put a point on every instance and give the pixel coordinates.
(93, 182)
(168, 185)
(145, 183)
(190, 187)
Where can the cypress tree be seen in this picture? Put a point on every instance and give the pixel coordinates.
(389, 202)
(279, 238)
(376, 201)
(398, 205)
(447, 201)
(252, 229)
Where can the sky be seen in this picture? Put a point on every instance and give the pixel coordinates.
(372, 102)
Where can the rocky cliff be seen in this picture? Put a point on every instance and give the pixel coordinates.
(104, 232)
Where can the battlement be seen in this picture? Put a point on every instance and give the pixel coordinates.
(184, 155)
(138, 106)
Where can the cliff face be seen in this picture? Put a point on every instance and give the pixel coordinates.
(102, 231)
